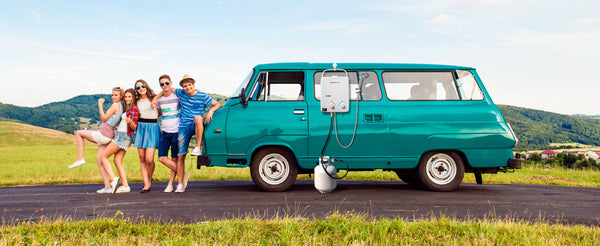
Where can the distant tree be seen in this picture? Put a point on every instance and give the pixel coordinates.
(535, 157)
(569, 160)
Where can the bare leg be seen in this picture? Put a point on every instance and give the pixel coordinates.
(103, 171)
(171, 164)
(80, 136)
(150, 165)
(180, 169)
(111, 149)
(144, 168)
(199, 123)
(119, 164)
(173, 172)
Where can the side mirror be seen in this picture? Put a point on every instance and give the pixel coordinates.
(243, 97)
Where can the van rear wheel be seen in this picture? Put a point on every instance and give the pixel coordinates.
(273, 169)
(441, 171)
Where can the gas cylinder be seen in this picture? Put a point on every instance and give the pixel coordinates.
(323, 182)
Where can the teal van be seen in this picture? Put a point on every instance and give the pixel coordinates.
(428, 123)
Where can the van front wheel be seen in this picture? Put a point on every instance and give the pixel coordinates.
(441, 171)
(273, 169)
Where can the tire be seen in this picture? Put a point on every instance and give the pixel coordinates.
(409, 178)
(273, 169)
(441, 171)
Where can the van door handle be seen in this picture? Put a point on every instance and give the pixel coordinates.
(298, 111)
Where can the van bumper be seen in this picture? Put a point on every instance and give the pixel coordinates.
(202, 160)
(514, 163)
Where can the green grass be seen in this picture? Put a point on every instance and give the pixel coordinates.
(44, 165)
(36, 156)
(336, 229)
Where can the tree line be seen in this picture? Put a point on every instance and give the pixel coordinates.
(535, 129)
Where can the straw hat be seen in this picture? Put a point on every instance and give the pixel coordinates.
(187, 78)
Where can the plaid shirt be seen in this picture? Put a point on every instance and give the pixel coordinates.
(134, 114)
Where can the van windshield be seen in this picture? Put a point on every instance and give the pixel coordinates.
(244, 83)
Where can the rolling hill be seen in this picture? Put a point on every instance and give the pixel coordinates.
(535, 129)
(18, 134)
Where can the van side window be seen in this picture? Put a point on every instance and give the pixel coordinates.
(420, 86)
(278, 86)
(468, 87)
(369, 87)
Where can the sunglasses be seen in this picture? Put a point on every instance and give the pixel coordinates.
(165, 83)
(139, 87)
(116, 88)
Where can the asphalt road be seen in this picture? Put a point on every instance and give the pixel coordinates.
(212, 200)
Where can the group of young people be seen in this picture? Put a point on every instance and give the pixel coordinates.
(134, 117)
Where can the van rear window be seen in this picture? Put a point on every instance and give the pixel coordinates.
(420, 86)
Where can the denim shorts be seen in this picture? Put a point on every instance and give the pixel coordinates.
(184, 137)
(122, 140)
(165, 141)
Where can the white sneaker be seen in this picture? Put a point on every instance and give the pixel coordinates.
(197, 151)
(113, 184)
(104, 191)
(77, 163)
(168, 189)
(186, 177)
(123, 189)
(180, 189)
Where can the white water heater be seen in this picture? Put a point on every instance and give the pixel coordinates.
(335, 94)
(325, 176)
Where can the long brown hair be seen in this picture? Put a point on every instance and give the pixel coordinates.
(133, 102)
(149, 92)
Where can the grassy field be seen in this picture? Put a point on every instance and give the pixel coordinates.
(37, 156)
(42, 165)
(337, 229)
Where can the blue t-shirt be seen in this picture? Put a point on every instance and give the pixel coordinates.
(191, 106)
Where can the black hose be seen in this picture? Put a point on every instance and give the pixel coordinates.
(323, 151)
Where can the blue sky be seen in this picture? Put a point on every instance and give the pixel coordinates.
(536, 54)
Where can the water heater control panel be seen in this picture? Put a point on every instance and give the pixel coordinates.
(335, 94)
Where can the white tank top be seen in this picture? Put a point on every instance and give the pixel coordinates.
(123, 125)
(146, 111)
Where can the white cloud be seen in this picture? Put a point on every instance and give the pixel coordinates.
(442, 19)
(109, 54)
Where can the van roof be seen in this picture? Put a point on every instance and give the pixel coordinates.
(351, 66)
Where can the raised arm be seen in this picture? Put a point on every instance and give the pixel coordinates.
(112, 110)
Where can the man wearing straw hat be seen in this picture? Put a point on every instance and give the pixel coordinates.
(193, 107)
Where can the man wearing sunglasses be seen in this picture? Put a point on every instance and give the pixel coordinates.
(169, 107)
(193, 116)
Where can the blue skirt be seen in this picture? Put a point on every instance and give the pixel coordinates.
(146, 135)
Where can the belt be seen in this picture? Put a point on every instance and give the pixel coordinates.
(147, 120)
